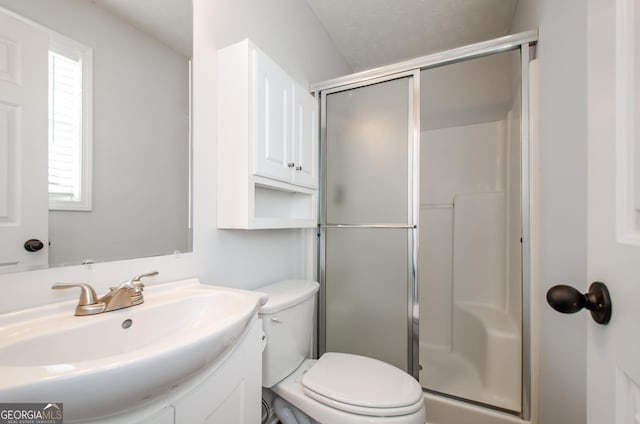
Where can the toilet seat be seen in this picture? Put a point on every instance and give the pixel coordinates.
(361, 385)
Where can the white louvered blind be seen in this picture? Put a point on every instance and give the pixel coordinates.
(70, 124)
(65, 127)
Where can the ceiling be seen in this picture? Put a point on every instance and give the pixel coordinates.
(371, 33)
(368, 33)
(170, 21)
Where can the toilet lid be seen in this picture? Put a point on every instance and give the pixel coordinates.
(362, 385)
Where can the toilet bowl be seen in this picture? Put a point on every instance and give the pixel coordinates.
(337, 388)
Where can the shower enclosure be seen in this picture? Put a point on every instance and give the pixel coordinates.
(424, 220)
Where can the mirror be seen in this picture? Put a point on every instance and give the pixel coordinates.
(140, 120)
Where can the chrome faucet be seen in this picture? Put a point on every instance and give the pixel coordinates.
(127, 294)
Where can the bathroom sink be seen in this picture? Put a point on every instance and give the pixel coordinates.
(109, 363)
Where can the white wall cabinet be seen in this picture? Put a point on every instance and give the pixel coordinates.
(267, 144)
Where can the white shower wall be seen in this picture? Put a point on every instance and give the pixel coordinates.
(468, 269)
(453, 161)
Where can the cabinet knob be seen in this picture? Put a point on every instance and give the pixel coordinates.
(299, 168)
(291, 164)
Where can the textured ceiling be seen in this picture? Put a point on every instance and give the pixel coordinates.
(371, 33)
(368, 33)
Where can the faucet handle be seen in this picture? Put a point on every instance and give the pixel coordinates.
(87, 295)
(88, 303)
(148, 274)
(136, 281)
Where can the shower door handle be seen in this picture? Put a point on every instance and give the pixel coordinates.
(387, 226)
(568, 300)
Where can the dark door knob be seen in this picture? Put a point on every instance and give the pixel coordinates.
(568, 300)
(33, 245)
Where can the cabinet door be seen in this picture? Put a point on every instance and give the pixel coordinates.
(232, 393)
(272, 141)
(305, 138)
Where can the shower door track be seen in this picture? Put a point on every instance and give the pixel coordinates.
(447, 57)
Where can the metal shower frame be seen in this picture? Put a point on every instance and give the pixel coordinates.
(523, 42)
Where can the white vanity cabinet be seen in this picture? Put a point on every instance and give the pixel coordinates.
(231, 393)
(267, 136)
(164, 416)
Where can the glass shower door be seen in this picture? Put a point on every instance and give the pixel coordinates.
(367, 223)
(471, 231)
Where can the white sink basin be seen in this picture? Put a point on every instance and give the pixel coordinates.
(96, 367)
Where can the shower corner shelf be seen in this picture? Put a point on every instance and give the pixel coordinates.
(267, 142)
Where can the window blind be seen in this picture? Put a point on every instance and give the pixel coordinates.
(65, 127)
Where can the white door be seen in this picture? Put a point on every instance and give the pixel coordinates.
(23, 144)
(613, 81)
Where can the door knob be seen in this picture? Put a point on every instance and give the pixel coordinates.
(33, 245)
(568, 300)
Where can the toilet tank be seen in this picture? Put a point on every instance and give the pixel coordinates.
(287, 320)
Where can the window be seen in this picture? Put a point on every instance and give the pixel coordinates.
(69, 125)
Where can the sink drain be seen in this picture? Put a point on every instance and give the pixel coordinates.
(127, 323)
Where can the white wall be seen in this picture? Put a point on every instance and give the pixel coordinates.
(288, 32)
(563, 149)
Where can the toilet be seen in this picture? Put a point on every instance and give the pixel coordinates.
(337, 388)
